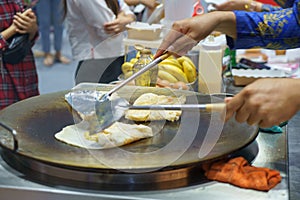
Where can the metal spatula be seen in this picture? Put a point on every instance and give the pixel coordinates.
(104, 101)
(111, 111)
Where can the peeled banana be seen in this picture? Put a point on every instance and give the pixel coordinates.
(175, 71)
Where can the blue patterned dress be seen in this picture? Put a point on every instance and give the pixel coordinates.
(276, 28)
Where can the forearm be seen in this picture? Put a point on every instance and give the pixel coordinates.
(9, 32)
(226, 22)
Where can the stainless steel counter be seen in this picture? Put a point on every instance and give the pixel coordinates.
(272, 153)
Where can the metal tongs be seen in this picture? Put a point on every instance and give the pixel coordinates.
(111, 111)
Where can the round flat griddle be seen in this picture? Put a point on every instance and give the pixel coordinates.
(36, 120)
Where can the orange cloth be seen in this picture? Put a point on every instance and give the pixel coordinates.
(238, 172)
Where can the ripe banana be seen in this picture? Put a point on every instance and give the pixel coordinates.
(164, 75)
(185, 58)
(127, 67)
(189, 71)
(171, 62)
(175, 71)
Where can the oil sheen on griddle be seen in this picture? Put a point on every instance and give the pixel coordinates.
(149, 77)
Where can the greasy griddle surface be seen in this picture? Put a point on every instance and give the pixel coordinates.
(37, 119)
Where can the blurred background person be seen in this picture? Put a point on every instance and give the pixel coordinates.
(96, 31)
(17, 81)
(50, 18)
(143, 13)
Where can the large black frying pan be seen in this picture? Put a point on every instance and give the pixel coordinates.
(37, 119)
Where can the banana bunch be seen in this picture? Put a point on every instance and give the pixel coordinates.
(172, 69)
(175, 70)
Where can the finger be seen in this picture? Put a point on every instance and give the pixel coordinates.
(183, 45)
(242, 114)
(31, 15)
(265, 124)
(167, 42)
(27, 11)
(21, 31)
(271, 120)
(109, 31)
(253, 119)
(227, 99)
(22, 17)
(232, 105)
(109, 24)
(110, 28)
(21, 21)
(19, 25)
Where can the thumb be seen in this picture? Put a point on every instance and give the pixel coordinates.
(232, 105)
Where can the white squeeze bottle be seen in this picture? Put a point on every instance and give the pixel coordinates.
(210, 66)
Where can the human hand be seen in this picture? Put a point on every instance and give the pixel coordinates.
(266, 102)
(114, 27)
(26, 22)
(119, 24)
(186, 33)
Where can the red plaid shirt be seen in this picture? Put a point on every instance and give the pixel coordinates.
(18, 81)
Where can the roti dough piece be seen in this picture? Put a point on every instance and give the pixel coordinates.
(118, 134)
(152, 115)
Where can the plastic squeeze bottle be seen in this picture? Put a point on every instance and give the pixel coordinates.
(210, 66)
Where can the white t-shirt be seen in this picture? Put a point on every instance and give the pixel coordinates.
(85, 20)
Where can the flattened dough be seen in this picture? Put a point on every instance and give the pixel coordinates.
(151, 115)
(116, 135)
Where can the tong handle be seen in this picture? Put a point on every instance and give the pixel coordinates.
(213, 107)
